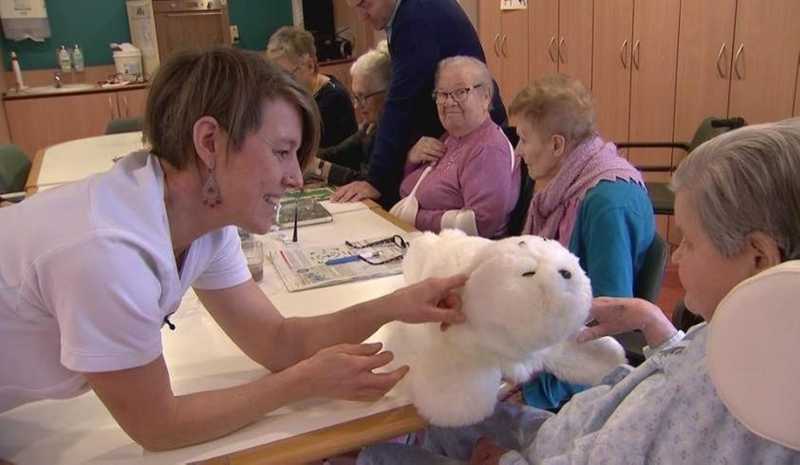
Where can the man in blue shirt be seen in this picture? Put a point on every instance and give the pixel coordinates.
(420, 33)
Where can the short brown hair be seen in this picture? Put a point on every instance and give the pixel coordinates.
(227, 84)
(557, 104)
(291, 42)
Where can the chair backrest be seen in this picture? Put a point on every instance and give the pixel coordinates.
(520, 211)
(116, 126)
(648, 281)
(14, 168)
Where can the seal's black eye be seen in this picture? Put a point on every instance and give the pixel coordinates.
(565, 274)
(528, 273)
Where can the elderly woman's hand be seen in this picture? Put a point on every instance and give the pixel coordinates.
(427, 149)
(486, 452)
(431, 300)
(616, 315)
(355, 192)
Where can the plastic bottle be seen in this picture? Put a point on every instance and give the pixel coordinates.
(17, 71)
(64, 61)
(77, 58)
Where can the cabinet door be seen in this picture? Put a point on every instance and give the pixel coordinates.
(181, 30)
(765, 61)
(705, 50)
(543, 34)
(514, 50)
(611, 52)
(575, 19)
(654, 63)
(490, 32)
(131, 103)
(39, 122)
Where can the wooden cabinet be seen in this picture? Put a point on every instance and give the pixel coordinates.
(705, 44)
(504, 36)
(764, 68)
(36, 123)
(611, 75)
(561, 38)
(635, 52)
(737, 58)
(653, 64)
(131, 103)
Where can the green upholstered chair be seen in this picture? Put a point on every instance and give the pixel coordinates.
(660, 195)
(647, 286)
(14, 169)
(116, 126)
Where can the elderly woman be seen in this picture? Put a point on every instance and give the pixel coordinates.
(292, 48)
(587, 197)
(666, 410)
(470, 179)
(348, 161)
(82, 305)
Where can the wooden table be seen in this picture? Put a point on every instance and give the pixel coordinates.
(200, 356)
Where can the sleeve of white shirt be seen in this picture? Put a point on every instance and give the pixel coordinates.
(512, 457)
(227, 267)
(105, 294)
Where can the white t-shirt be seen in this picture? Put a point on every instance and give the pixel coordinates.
(88, 275)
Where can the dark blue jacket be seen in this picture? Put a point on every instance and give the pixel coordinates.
(423, 33)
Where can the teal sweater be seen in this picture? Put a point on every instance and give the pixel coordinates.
(613, 230)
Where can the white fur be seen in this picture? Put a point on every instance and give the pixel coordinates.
(516, 325)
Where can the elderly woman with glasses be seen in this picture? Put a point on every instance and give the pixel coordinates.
(670, 409)
(292, 48)
(468, 179)
(348, 161)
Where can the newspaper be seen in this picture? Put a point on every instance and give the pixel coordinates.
(303, 268)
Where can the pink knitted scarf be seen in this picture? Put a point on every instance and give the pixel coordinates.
(553, 211)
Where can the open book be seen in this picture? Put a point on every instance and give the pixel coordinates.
(309, 210)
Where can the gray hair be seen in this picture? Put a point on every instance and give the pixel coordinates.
(291, 42)
(557, 104)
(375, 64)
(475, 65)
(746, 181)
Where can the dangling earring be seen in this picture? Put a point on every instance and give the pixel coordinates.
(211, 194)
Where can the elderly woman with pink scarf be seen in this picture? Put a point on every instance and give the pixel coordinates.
(587, 197)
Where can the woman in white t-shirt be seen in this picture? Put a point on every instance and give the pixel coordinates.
(90, 272)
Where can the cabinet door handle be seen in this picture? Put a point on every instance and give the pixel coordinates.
(562, 47)
(125, 103)
(736, 60)
(550, 49)
(720, 69)
(635, 54)
(623, 53)
(111, 106)
(503, 45)
(496, 40)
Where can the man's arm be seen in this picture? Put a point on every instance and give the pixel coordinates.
(409, 110)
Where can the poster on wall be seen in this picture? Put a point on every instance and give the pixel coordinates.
(513, 4)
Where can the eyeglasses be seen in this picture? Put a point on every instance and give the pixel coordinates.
(459, 95)
(293, 71)
(361, 100)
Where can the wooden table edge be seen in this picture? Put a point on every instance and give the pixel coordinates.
(31, 184)
(327, 442)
